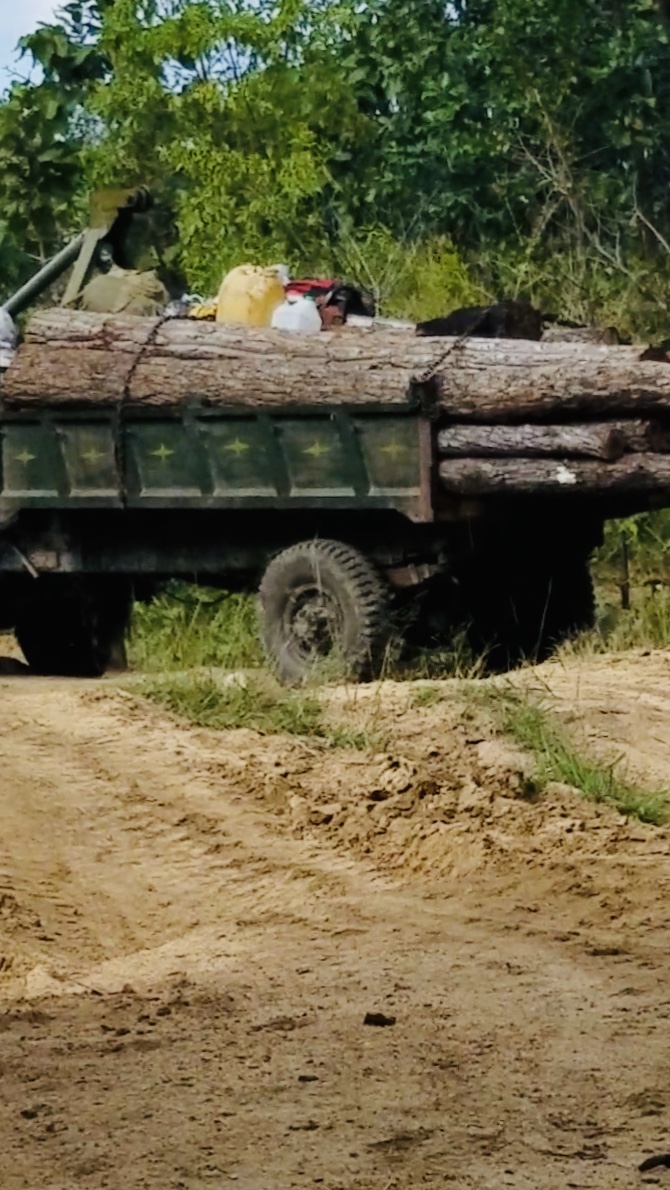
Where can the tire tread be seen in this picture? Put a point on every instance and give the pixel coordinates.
(365, 585)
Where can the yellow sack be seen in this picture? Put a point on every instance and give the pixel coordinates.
(249, 296)
(206, 312)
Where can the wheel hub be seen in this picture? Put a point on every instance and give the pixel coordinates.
(315, 621)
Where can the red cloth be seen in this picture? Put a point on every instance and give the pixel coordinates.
(311, 285)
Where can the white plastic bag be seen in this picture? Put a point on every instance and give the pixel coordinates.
(299, 314)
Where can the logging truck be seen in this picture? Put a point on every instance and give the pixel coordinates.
(367, 483)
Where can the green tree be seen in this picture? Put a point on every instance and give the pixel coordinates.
(277, 127)
(43, 133)
(492, 113)
(215, 105)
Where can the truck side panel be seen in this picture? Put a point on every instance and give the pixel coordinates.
(200, 459)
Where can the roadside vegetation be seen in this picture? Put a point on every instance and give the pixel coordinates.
(558, 758)
(188, 627)
(632, 582)
(225, 702)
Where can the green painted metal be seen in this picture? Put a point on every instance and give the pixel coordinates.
(201, 458)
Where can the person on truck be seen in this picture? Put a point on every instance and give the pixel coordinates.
(137, 274)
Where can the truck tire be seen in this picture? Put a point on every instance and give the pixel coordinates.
(73, 629)
(322, 600)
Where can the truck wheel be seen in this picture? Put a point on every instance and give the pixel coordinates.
(321, 600)
(71, 629)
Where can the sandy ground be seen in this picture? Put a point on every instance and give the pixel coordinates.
(193, 927)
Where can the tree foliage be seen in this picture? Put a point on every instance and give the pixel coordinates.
(534, 137)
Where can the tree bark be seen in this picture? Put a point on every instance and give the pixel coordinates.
(71, 358)
(496, 380)
(581, 334)
(483, 477)
(597, 440)
(76, 359)
(643, 435)
(80, 359)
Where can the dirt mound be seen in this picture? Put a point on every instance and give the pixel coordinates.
(451, 801)
(200, 925)
(618, 704)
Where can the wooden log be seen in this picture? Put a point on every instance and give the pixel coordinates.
(597, 440)
(82, 359)
(581, 334)
(496, 380)
(642, 435)
(78, 359)
(543, 477)
(75, 360)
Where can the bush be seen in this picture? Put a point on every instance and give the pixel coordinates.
(413, 279)
(192, 627)
(632, 579)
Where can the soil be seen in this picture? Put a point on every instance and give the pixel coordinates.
(194, 927)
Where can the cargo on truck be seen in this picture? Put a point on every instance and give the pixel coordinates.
(367, 483)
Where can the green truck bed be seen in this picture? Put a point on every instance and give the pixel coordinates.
(211, 459)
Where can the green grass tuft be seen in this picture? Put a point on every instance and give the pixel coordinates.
(342, 735)
(425, 696)
(205, 701)
(644, 625)
(557, 759)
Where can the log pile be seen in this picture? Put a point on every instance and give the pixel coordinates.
(80, 359)
(608, 457)
(512, 415)
(519, 476)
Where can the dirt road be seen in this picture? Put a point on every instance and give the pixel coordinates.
(193, 928)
